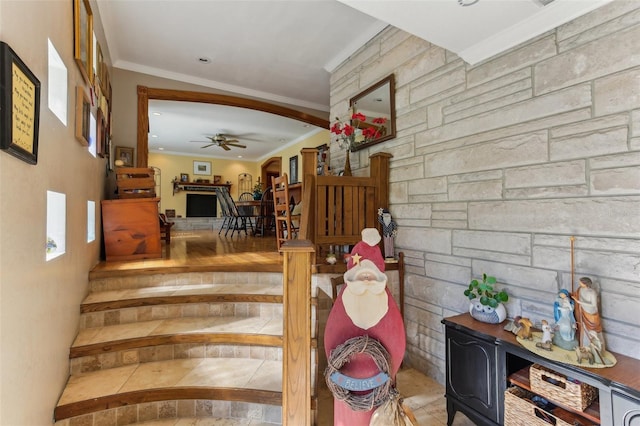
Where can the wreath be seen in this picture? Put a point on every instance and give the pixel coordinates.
(344, 353)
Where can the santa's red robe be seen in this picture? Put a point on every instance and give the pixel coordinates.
(389, 331)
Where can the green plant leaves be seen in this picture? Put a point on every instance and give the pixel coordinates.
(485, 292)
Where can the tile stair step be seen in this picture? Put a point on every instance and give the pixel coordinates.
(125, 316)
(194, 421)
(249, 380)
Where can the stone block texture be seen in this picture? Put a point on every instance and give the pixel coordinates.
(499, 164)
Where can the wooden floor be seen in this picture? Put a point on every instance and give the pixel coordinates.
(196, 251)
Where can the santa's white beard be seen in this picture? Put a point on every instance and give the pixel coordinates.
(365, 302)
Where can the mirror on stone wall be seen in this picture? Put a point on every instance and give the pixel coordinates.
(377, 101)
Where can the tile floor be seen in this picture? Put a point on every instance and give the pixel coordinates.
(423, 395)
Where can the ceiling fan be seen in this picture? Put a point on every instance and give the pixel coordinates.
(222, 141)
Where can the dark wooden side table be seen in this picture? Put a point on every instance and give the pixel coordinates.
(483, 359)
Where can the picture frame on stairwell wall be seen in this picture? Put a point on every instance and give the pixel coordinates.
(83, 38)
(19, 107)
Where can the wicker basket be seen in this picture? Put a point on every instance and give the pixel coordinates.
(520, 411)
(557, 388)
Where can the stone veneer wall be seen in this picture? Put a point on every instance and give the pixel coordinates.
(495, 166)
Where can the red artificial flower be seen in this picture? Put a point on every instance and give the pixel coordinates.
(359, 116)
(348, 130)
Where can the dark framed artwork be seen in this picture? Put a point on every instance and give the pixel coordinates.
(102, 136)
(126, 155)
(293, 169)
(83, 116)
(19, 107)
(83, 38)
(184, 177)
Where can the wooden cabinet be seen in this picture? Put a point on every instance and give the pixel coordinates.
(131, 229)
(472, 381)
(483, 360)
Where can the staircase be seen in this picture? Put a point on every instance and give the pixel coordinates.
(155, 349)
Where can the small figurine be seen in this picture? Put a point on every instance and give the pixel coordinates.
(588, 316)
(388, 232)
(565, 322)
(584, 353)
(521, 327)
(545, 341)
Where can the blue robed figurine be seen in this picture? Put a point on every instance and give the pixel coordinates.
(565, 326)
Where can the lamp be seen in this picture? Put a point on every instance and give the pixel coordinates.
(119, 163)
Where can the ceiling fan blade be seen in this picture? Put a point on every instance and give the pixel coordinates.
(231, 140)
(235, 144)
(207, 146)
(225, 147)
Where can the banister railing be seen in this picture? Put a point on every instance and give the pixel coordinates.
(337, 208)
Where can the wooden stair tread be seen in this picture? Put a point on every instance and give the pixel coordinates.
(199, 293)
(179, 326)
(250, 380)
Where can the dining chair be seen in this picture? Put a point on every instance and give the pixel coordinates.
(282, 210)
(246, 196)
(226, 213)
(265, 219)
(237, 220)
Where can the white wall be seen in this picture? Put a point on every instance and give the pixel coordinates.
(496, 166)
(39, 300)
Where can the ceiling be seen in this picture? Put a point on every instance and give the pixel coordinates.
(284, 52)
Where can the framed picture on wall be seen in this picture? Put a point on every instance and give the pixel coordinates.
(126, 155)
(184, 177)
(202, 168)
(19, 107)
(293, 169)
(83, 38)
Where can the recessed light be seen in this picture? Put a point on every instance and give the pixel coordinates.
(204, 60)
(239, 156)
(154, 136)
(305, 125)
(157, 113)
(160, 149)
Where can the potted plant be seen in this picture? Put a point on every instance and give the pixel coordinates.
(487, 303)
(257, 191)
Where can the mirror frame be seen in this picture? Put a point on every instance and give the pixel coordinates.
(391, 134)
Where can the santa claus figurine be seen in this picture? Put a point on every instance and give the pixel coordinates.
(364, 307)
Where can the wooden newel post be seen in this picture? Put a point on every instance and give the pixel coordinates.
(296, 347)
(142, 158)
(379, 170)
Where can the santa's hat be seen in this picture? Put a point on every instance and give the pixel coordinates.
(367, 249)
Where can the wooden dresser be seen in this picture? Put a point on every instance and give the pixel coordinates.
(131, 229)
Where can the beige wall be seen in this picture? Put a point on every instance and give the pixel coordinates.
(39, 300)
(496, 165)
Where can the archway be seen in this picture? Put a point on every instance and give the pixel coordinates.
(146, 93)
